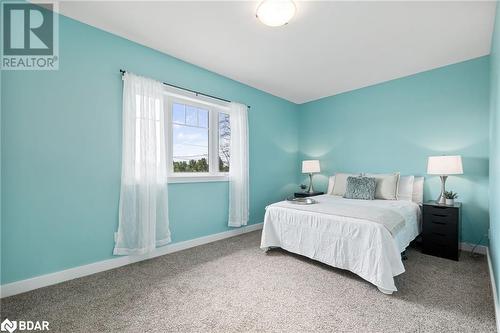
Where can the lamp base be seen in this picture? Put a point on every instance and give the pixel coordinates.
(441, 200)
(310, 189)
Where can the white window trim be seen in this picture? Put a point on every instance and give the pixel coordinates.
(213, 141)
(205, 178)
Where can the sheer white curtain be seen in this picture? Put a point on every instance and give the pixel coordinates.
(143, 216)
(238, 166)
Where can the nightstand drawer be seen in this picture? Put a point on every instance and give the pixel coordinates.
(440, 237)
(441, 250)
(432, 226)
(440, 211)
(434, 219)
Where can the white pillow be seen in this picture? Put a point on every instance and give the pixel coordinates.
(387, 185)
(418, 190)
(331, 181)
(405, 188)
(340, 182)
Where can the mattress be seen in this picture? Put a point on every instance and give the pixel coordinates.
(361, 246)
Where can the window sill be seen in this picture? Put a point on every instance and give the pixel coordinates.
(196, 179)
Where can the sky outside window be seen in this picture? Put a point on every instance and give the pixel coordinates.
(190, 138)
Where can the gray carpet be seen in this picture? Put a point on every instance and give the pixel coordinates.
(232, 286)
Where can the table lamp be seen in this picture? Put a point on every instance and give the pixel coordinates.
(444, 166)
(310, 167)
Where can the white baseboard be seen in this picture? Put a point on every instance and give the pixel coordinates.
(467, 247)
(22, 286)
(494, 290)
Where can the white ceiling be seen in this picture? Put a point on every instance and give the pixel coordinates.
(328, 48)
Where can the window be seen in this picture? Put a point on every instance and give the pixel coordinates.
(199, 138)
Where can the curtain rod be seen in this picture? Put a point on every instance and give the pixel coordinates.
(191, 91)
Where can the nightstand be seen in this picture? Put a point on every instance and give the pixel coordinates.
(305, 194)
(441, 230)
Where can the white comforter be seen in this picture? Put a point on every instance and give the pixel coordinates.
(361, 246)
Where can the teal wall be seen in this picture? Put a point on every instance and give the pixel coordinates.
(61, 153)
(396, 125)
(495, 153)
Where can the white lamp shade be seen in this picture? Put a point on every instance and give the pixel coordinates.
(310, 166)
(445, 165)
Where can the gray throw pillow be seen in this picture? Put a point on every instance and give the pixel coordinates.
(360, 188)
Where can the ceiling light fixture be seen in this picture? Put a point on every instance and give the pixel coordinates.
(275, 13)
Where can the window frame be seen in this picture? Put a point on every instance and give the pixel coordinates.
(214, 175)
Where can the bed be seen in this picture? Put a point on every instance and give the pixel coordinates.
(362, 236)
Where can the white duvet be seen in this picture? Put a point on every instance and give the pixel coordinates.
(362, 246)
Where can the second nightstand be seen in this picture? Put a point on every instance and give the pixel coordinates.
(441, 230)
(306, 194)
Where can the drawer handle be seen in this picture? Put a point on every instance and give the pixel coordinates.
(439, 234)
(440, 215)
(438, 222)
